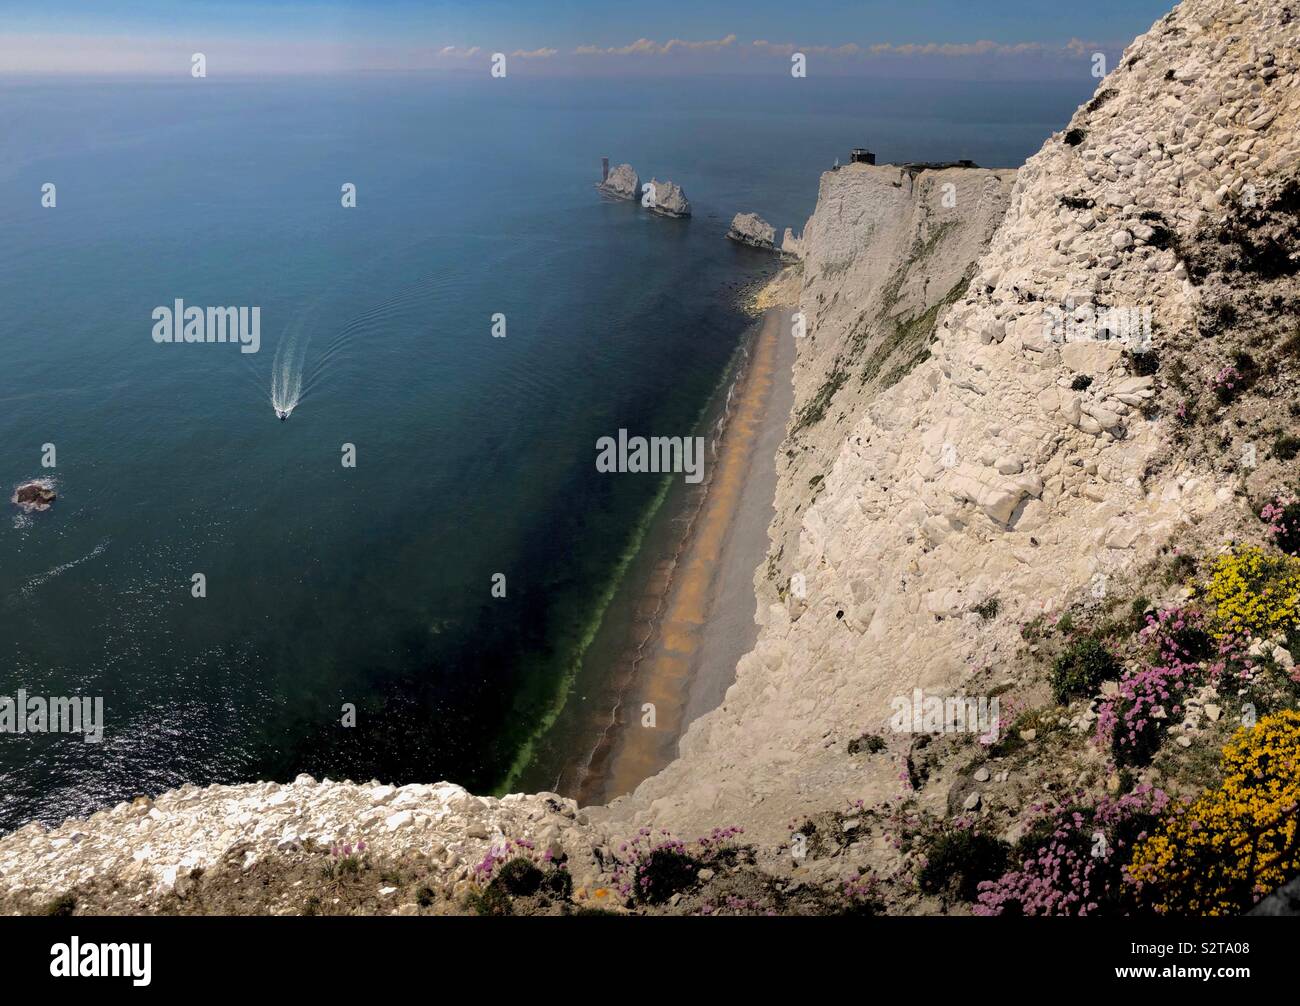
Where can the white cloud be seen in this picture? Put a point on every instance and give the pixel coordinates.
(983, 47)
(649, 47)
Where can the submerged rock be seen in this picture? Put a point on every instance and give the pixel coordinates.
(751, 229)
(669, 199)
(623, 183)
(35, 495)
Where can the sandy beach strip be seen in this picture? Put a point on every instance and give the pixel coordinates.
(700, 612)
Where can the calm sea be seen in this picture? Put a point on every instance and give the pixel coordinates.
(370, 586)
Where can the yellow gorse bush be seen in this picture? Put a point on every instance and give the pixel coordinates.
(1220, 854)
(1254, 593)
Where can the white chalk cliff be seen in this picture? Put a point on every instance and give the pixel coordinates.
(982, 472)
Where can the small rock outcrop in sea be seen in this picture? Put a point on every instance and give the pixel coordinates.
(669, 199)
(35, 495)
(751, 229)
(623, 183)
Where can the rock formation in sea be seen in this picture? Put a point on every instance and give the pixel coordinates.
(670, 200)
(34, 496)
(987, 481)
(623, 183)
(751, 229)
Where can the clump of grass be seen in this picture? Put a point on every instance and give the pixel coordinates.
(1144, 364)
(61, 907)
(1084, 665)
(1182, 567)
(869, 743)
(1286, 447)
(815, 410)
(490, 901)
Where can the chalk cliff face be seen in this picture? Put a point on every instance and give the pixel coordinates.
(990, 469)
(886, 250)
(949, 445)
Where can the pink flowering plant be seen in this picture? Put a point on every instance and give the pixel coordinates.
(1281, 517)
(1226, 383)
(345, 859)
(651, 868)
(1072, 859)
(862, 894)
(1132, 723)
(513, 868)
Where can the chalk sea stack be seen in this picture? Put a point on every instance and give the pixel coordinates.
(623, 183)
(670, 200)
(792, 247)
(34, 496)
(751, 229)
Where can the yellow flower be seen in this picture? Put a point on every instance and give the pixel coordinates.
(1220, 854)
(1254, 593)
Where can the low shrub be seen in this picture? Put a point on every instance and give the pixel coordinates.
(60, 907)
(868, 743)
(1254, 593)
(1221, 853)
(514, 869)
(652, 870)
(958, 860)
(1084, 665)
(1132, 723)
(1286, 447)
(1071, 861)
(1281, 515)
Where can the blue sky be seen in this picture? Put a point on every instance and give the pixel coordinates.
(564, 36)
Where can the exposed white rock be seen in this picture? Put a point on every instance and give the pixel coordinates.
(918, 501)
(668, 199)
(623, 183)
(751, 229)
(792, 247)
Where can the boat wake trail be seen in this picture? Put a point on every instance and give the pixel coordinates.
(293, 381)
(286, 373)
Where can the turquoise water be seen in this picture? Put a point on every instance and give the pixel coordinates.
(475, 455)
